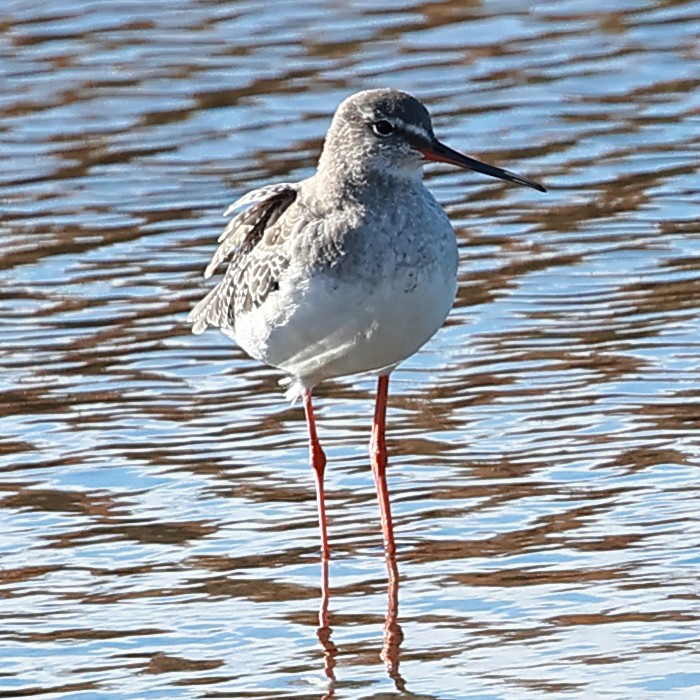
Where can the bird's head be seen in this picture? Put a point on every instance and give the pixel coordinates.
(389, 133)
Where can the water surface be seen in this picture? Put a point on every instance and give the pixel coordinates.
(157, 507)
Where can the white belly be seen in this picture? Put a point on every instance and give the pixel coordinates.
(327, 326)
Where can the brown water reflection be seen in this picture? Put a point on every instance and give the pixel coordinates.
(393, 633)
(157, 509)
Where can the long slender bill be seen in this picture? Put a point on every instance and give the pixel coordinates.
(444, 154)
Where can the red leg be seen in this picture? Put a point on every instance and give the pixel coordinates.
(377, 450)
(318, 462)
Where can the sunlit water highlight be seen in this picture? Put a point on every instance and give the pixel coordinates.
(158, 518)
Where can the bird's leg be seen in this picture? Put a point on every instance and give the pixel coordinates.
(377, 451)
(318, 462)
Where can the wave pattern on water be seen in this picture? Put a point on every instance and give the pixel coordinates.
(157, 509)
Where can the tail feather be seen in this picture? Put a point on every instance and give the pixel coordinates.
(295, 388)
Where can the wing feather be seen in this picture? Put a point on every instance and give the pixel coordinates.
(249, 277)
(246, 229)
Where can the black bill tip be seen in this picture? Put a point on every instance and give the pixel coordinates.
(441, 153)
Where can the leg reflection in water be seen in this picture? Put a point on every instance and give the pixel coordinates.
(393, 634)
(324, 632)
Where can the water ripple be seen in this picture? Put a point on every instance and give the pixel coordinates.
(158, 511)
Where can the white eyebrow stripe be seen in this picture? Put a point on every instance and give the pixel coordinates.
(418, 131)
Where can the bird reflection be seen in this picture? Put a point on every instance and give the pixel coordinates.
(324, 632)
(393, 634)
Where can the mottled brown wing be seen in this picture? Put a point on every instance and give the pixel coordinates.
(252, 274)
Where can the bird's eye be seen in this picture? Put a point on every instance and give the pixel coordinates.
(383, 128)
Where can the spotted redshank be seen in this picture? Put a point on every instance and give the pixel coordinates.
(351, 270)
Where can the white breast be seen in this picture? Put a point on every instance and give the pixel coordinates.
(325, 326)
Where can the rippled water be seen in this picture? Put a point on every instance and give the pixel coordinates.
(158, 519)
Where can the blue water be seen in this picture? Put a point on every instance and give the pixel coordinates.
(156, 503)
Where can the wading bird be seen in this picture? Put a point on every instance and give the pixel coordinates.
(351, 270)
